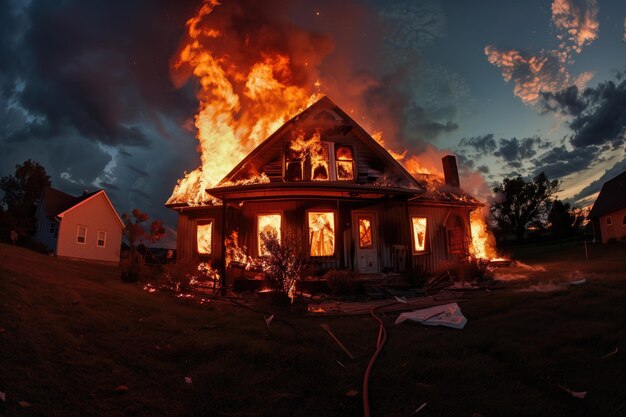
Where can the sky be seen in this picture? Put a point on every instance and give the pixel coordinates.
(88, 89)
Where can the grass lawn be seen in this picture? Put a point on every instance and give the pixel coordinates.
(71, 332)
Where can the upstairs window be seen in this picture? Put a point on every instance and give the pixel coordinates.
(204, 237)
(102, 238)
(321, 233)
(344, 163)
(419, 225)
(319, 163)
(268, 224)
(293, 165)
(81, 235)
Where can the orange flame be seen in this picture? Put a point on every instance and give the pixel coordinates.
(483, 243)
(227, 129)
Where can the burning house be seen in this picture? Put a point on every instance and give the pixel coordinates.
(325, 182)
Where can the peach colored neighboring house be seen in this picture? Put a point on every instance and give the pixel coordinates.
(85, 227)
(609, 211)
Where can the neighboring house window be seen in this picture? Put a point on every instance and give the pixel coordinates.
(419, 225)
(344, 163)
(609, 221)
(321, 233)
(268, 224)
(204, 237)
(365, 232)
(102, 238)
(81, 235)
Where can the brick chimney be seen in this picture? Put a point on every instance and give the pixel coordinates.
(450, 172)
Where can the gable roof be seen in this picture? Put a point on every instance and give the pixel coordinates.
(57, 203)
(612, 197)
(318, 108)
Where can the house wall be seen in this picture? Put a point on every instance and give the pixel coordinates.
(42, 233)
(186, 241)
(440, 219)
(94, 214)
(617, 230)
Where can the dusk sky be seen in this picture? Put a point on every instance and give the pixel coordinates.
(512, 88)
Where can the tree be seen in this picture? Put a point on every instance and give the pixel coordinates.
(22, 192)
(520, 204)
(564, 221)
(134, 232)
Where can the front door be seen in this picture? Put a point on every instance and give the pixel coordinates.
(365, 228)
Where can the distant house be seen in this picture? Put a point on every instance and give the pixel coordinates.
(85, 227)
(609, 211)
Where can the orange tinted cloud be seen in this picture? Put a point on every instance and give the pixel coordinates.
(577, 22)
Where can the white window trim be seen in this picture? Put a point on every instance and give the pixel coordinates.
(78, 235)
(427, 241)
(103, 240)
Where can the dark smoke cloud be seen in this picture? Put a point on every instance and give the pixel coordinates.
(483, 145)
(517, 150)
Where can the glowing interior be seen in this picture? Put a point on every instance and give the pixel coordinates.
(365, 232)
(268, 224)
(345, 171)
(204, 236)
(419, 233)
(322, 233)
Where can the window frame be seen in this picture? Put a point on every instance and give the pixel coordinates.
(257, 239)
(371, 220)
(426, 237)
(84, 242)
(104, 240)
(336, 161)
(307, 233)
(200, 222)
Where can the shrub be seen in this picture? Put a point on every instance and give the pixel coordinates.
(342, 282)
(178, 277)
(282, 265)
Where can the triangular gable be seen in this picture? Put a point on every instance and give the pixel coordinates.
(87, 197)
(612, 197)
(325, 114)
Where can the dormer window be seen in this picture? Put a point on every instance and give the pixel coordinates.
(293, 165)
(344, 163)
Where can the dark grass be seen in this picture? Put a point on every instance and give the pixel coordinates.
(73, 332)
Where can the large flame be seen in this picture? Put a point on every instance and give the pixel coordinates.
(483, 243)
(238, 107)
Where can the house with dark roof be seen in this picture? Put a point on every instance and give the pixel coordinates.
(609, 211)
(85, 227)
(324, 182)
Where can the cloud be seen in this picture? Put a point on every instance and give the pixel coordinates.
(483, 145)
(517, 150)
(598, 115)
(577, 25)
(577, 22)
(560, 161)
(596, 186)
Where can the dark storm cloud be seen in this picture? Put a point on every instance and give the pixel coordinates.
(517, 150)
(483, 145)
(560, 162)
(598, 115)
(596, 185)
(138, 171)
(483, 169)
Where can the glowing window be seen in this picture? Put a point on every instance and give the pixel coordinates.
(609, 221)
(268, 224)
(419, 233)
(81, 235)
(102, 238)
(204, 237)
(365, 232)
(344, 162)
(319, 163)
(322, 233)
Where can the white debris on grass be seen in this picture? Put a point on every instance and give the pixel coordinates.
(535, 268)
(448, 315)
(501, 276)
(188, 380)
(3, 396)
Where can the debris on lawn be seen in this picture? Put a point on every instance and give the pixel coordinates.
(24, 404)
(448, 315)
(549, 287)
(268, 320)
(342, 365)
(3, 396)
(442, 281)
(352, 393)
(536, 268)
(420, 408)
(608, 355)
(577, 282)
(326, 327)
(121, 388)
(331, 308)
(575, 394)
(188, 380)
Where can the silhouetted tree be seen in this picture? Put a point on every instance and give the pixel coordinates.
(564, 221)
(22, 192)
(134, 233)
(519, 204)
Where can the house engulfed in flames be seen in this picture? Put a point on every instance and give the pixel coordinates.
(323, 181)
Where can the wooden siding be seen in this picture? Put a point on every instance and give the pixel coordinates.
(186, 242)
